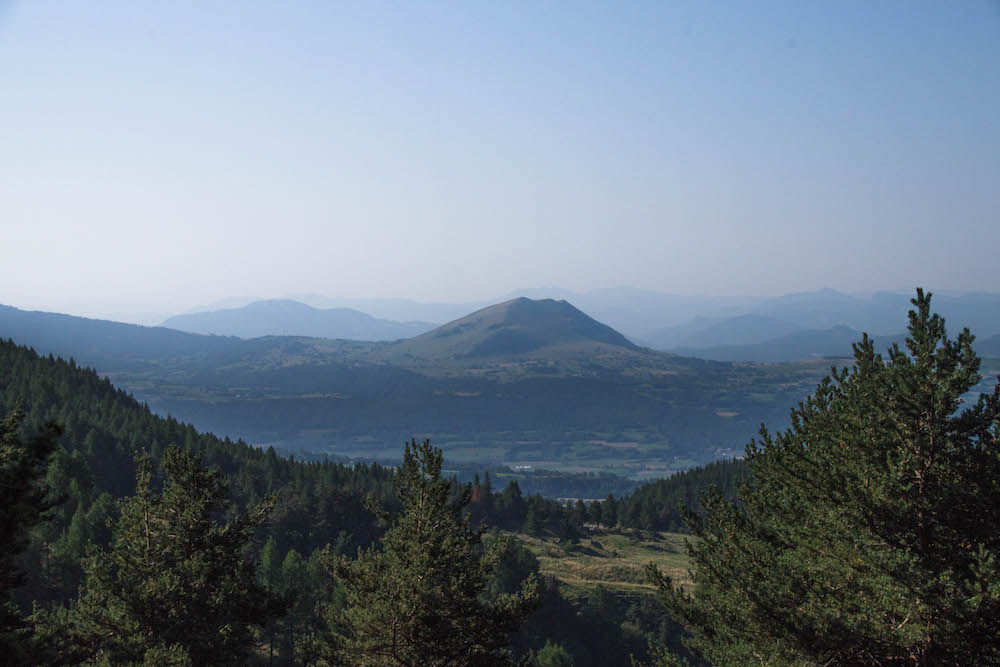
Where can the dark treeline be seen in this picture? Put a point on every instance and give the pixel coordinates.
(662, 505)
(103, 429)
(317, 508)
(553, 483)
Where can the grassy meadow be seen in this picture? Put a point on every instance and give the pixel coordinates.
(614, 560)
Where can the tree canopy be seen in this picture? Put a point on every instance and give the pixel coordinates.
(176, 581)
(24, 499)
(421, 599)
(868, 532)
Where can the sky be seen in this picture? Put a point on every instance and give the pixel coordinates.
(155, 157)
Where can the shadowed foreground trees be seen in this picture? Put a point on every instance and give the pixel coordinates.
(870, 533)
(176, 586)
(93, 473)
(421, 599)
(24, 499)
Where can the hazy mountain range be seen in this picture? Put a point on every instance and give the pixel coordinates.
(823, 324)
(523, 380)
(807, 325)
(292, 318)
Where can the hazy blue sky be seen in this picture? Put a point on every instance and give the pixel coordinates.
(155, 156)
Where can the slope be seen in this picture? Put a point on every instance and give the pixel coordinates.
(105, 428)
(111, 346)
(518, 328)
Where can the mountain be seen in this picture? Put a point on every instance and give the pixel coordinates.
(534, 382)
(634, 312)
(827, 308)
(650, 317)
(885, 313)
(638, 313)
(703, 333)
(292, 318)
(228, 302)
(110, 346)
(398, 310)
(517, 328)
(834, 342)
(810, 325)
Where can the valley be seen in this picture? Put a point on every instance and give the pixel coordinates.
(531, 383)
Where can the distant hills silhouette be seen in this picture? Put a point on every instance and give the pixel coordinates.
(292, 318)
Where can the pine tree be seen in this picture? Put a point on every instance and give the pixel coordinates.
(532, 524)
(870, 530)
(609, 512)
(176, 582)
(269, 570)
(553, 655)
(420, 599)
(24, 499)
(269, 576)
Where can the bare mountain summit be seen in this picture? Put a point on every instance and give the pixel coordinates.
(516, 328)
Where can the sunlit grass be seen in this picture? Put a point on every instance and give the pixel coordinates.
(614, 560)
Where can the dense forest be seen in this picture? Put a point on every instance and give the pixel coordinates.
(869, 532)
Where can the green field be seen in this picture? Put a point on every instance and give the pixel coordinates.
(614, 560)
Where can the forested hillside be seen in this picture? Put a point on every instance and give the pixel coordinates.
(104, 428)
(104, 433)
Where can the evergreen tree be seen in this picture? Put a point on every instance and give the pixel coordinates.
(609, 512)
(24, 499)
(269, 570)
(532, 524)
(176, 582)
(295, 581)
(870, 532)
(421, 599)
(579, 514)
(269, 576)
(553, 655)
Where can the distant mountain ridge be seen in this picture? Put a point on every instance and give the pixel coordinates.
(668, 322)
(106, 344)
(285, 317)
(821, 324)
(632, 311)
